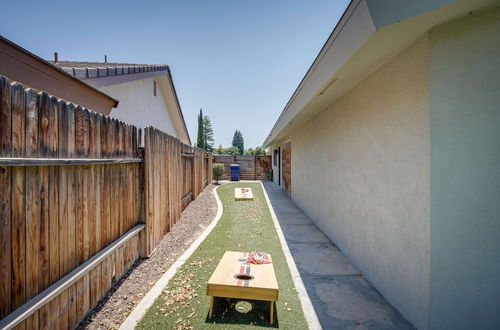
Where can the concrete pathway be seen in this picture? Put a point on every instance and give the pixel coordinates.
(341, 296)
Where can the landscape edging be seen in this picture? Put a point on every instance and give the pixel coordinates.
(140, 310)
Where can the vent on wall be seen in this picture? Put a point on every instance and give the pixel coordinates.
(154, 87)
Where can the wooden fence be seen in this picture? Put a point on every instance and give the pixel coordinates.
(73, 212)
(173, 177)
(251, 167)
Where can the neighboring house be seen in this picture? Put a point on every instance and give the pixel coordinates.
(391, 145)
(22, 66)
(146, 92)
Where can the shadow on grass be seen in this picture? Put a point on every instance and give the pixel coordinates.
(254, 312)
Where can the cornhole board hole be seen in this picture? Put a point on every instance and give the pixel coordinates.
(243, 194)
(234, 278)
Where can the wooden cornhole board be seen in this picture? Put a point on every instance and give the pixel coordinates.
(225, 283)
(243, 194)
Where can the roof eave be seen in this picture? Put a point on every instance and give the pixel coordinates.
(178, 104)
(354, 50)
(365, 24)
(47, 63)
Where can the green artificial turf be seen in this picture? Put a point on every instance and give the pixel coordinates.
(245, 226)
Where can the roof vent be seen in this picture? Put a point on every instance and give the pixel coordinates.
(56, 58)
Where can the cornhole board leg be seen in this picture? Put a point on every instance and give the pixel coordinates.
(272, 313)
(211, 307)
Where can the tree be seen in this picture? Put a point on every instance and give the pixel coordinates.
(200, 143)
(258, 151)
(238, 142)
(233, 151)
(219, 150)
(209, 134)
(249, 152)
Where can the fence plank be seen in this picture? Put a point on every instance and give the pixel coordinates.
(18, 239)
(5, 198)
(63, 197)
(53, 210)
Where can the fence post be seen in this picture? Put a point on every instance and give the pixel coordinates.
(145, 245)
(193, 174)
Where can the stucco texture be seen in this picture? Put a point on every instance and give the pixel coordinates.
(138, 105)
(465, 134)
(361, 171)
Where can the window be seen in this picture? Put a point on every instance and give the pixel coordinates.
(154, 87)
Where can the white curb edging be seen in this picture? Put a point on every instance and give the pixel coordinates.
(148, 300)
(307, 307)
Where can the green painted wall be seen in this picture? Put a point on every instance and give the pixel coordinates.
(465, 173)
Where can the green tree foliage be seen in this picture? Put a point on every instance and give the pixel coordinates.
(200, 142)
(218, 171)
(238, 142)
(256, 152)
(259, 151)
(233, 151)
(219, 150)
(209, 134)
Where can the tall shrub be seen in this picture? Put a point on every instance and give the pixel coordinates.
(200, 141)
(218, 171)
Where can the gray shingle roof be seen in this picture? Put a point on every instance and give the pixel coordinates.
(90, 70)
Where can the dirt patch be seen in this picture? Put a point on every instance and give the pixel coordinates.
(114, 308)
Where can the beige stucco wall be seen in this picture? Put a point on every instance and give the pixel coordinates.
(361, 171)
(138, 105)
(465, 153)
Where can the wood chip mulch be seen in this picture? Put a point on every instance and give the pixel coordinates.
(125, 294)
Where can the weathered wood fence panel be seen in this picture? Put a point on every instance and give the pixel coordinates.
(175, 174)
(72, 204)
(251, 167)
(262, 167)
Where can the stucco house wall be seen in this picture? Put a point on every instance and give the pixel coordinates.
(465, 195)
(138, 105)
(361, 171)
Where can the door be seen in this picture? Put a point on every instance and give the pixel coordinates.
(286, 160)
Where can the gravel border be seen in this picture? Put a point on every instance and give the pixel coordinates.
(125, 294)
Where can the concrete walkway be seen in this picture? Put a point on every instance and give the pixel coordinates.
(342, 298)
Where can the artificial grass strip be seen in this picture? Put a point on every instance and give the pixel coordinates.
(244, 226)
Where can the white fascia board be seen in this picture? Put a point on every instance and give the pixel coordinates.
(352, 31)
(174, 110)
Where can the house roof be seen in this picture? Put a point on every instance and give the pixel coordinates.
(93, 70)
(368, 34)
(29, 69)
(100, 74)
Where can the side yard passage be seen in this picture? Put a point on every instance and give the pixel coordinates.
(244, 226)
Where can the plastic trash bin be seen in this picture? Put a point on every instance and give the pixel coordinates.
(235, 172)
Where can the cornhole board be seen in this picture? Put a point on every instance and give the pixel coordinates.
(227, 282)
(243, 194)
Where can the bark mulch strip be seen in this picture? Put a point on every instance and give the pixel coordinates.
(125, 294)
(244, 226)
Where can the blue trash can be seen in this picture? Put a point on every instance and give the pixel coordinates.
(235, 172)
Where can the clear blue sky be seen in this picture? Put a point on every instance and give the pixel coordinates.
(238, 60)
